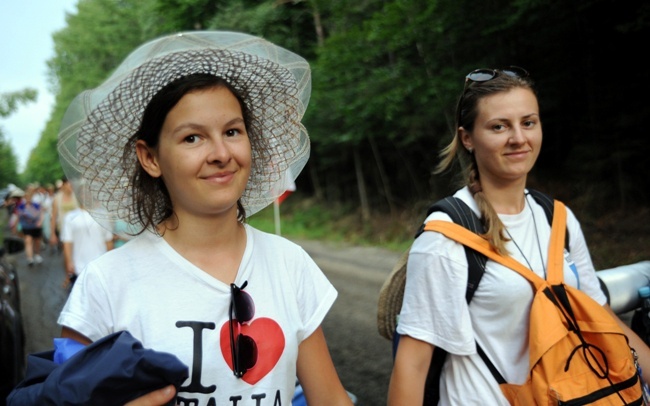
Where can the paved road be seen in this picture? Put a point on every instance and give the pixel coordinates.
(362, 357)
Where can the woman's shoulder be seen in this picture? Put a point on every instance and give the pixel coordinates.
(138, 249)
(571, 219)
(265, 239)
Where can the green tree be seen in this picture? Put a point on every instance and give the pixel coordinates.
(95, 40)
(8, 163)
(9, 103)
(386, 74)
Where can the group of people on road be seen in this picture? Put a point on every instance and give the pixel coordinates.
(53, 218)
(194, 132)
(29, 213)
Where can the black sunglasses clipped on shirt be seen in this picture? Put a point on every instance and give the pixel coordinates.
(243, 348)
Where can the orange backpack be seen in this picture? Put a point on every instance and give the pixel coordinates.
(578, 353)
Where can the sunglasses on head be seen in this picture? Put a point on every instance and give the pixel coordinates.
(243, 348)
(483, 75)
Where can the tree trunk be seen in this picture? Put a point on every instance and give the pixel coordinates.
(315, 182)
(361, 185)
(318, 25)
(382, 175)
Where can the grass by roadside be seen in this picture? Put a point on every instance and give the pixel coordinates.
(306, 218)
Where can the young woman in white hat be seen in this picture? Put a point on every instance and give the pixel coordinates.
(192, 133)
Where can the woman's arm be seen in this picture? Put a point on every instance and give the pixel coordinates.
(317, 375)
(75, 335)
(53, 216)
(637, 343)
(68, 265)
(159, 397)
(410, 371)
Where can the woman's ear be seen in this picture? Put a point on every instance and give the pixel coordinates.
(466, 139)
(148, 159)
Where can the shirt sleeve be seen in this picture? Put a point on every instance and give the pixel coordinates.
(579, 253)
(316, 295)
(87, 309)
(66, 234)
(434, 308)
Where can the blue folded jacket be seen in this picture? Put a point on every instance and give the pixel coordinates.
(111, 371)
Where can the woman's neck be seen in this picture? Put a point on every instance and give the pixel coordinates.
(506, 199)
(198, 232)
(216, 244)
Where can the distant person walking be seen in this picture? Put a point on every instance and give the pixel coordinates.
(84, 239)
(64, 201)
(48, 200)
(30, 220)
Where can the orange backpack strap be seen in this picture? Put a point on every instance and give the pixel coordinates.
(555, 271)
(476, 242)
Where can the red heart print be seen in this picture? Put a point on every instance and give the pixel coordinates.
(269, 338)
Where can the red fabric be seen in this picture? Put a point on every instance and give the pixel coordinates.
(283, 196)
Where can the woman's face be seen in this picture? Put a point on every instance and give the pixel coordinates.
(507, 136)
(204, 153)
(66, 187)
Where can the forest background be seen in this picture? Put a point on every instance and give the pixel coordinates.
(386, 76)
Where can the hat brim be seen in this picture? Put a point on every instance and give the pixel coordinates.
(391, 296)
(273, 82)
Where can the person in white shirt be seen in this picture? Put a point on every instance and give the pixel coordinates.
(191, 134)
(84, 239)
(498, 138)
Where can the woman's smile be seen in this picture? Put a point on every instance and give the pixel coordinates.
(204, 156)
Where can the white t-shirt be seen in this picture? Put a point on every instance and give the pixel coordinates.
(87, 236)
(170, 305)
(435, 309)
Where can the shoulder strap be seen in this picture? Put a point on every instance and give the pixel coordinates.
(547, 203)
(479, 244)
(557, 244)
(463, 215)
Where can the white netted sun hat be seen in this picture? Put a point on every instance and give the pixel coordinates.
(275, 85)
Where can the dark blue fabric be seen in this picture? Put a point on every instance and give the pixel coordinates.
(111, 371)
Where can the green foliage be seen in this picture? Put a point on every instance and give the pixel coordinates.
(9, 102)
(8, 163)
(286, 23)
(310, 221)
(386, 77)
(96, 39)
(305, 218)
(169, 16)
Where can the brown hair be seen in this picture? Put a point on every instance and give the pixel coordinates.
(151, 200)
(466, 113)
